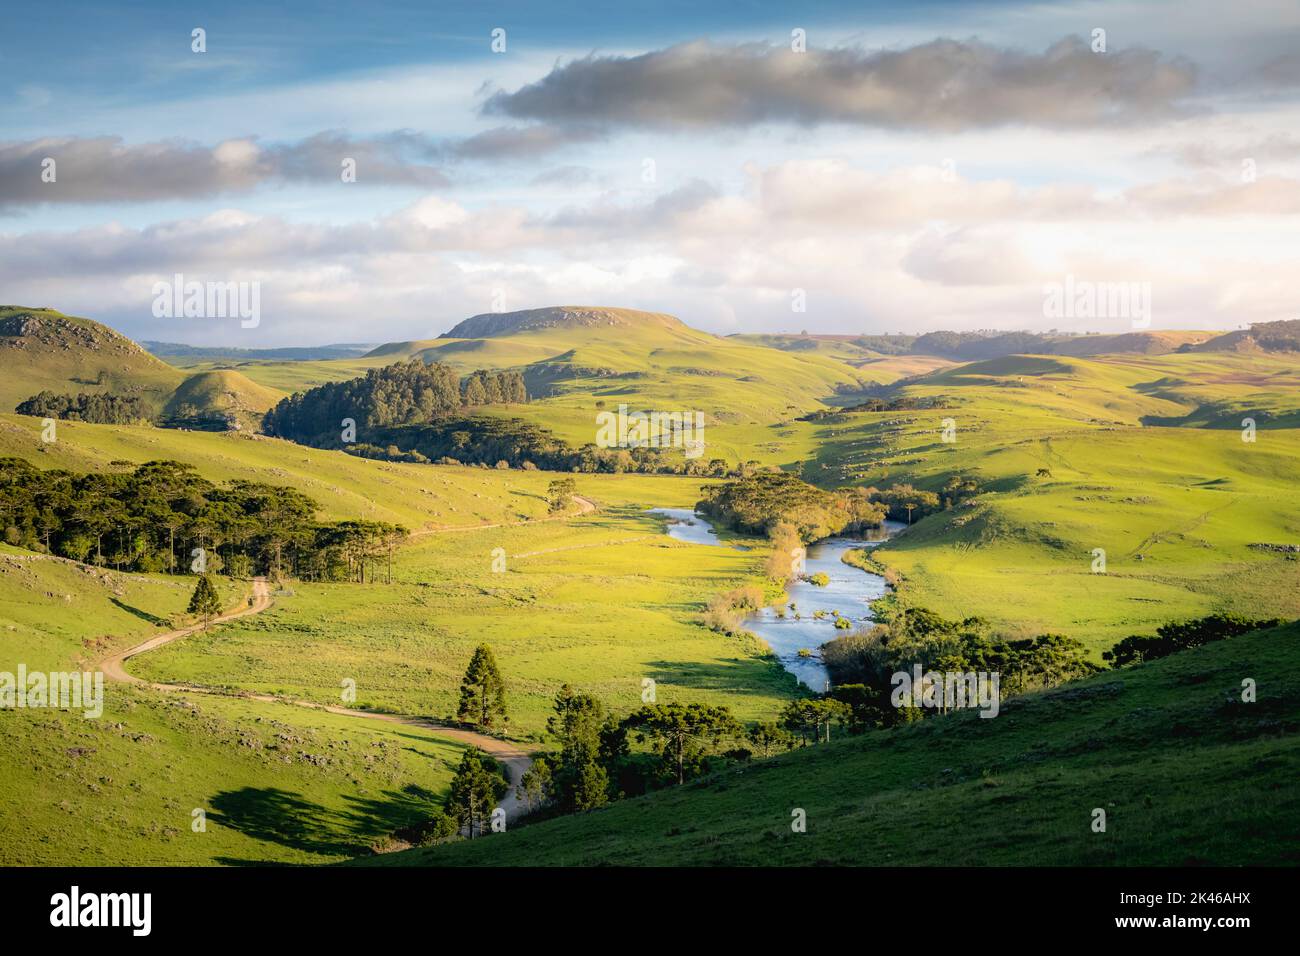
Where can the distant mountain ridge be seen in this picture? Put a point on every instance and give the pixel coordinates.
(306, 353)
(492, 324)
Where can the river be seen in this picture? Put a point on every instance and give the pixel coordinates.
(850, 592)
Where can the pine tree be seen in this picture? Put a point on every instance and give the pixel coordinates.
(205, 602)
(482, 691)
(474, 792)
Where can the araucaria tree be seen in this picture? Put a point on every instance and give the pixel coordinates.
(482, 691)
(580, 780)
(683, 732)
(475, 790)
(205, 602)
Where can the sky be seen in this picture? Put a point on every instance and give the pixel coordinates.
(381, 171)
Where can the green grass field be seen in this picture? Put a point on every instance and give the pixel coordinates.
(1186, 773)
(1067, 467)
(1140, 456)
(602, 602)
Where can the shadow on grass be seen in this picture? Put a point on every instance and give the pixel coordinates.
(279, 816)
(153, 619)
(737, 676)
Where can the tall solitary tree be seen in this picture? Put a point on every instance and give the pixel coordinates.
(482, 691)
(205, 602)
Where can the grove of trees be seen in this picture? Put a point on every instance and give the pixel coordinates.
(99, 408)
(162, 516)
(404, 393)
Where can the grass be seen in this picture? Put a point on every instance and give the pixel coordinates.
(602, 602)
(278, 783)
(66, 354)
(1068, 467)
(1186, 773)
(1139, 455)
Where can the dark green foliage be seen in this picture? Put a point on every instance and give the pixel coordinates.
(405, 393)
(580, 781)
(1179, 636)
(205, 603)
(475, 790)
(684, 733)
(807, 717)
(156, 516)
(487, 440)
(482, 691)
(862, 664)
(101, 409)
(905, 503)
(759, 503)
(441, 827)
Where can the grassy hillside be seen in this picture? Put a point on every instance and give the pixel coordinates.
(278, 783)
(43, 349)
(1186, 772)
(1066, 466)
(343, 485)
(219, 397)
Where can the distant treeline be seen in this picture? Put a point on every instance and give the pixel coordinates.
(101, 409)
(164, 517)
(515, 443)
(405, 393)
(906, 403)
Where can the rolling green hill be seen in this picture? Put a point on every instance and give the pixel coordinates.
(1066, 466)
(213, 399)
(1185, 771)
(42, 349)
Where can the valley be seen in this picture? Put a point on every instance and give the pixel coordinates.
(1085, 494)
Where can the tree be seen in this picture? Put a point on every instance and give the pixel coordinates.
(807, 717)
(683, 730)
(536, 785)
(475, 791)
(765, 736)
(205, 602)
(581, 782)
(559, 493)
(482, 691)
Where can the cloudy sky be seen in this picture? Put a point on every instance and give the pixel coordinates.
(894, 167)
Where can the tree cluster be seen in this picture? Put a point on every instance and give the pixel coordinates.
(404, 393)
(759, 503)
(1182, 635)
(99, 408)
(862, 664)
(163, 517)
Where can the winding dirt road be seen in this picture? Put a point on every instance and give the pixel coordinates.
(514, 756)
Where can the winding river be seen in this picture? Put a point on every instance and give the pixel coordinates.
(850, 592)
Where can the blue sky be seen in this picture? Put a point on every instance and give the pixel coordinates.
(916, 166)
